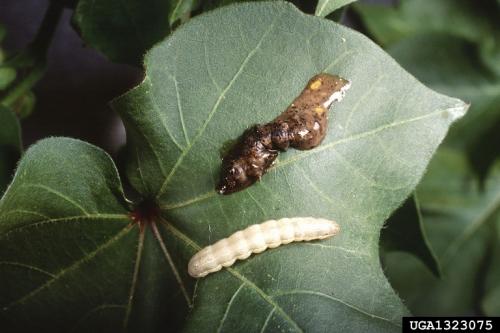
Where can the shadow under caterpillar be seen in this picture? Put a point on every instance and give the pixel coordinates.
(257, 238)
(301, 126)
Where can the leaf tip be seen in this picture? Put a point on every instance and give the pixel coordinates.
(456, 111)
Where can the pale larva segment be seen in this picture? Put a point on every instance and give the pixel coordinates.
(271, 233)
(203, 263)
(257, 238)
(312, 228)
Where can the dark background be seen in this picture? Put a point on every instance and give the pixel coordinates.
(72, 97)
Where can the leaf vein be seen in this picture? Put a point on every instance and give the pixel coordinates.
(373, 86)
(355, 137)
(471, 229)
(59, 194)
(24, 211)
(354, 307)
(162, 119)
(137, 264)
(235, 273)
(268, 318)
(33, 268)
(229, 304)
(171, 264)
(71, 268)
(207, 65)
(189, 201)
(67, 219)
(215, 108)
(181, 112)
(256, 202)
(139, 168)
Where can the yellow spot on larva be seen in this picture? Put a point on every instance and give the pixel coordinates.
(319, 110)
(315, 85)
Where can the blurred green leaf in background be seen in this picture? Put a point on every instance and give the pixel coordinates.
(453, 47)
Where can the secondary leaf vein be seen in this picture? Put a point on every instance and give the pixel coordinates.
(172, 264)
(33, 268)
(59, 194)
(70, 268)
(140, 247)
(229, 304)
(67, 219)
(215, 108)
(316, 293)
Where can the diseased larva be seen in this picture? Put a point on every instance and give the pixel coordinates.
(257, 238)
(301, 126)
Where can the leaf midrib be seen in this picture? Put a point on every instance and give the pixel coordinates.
(303, 154)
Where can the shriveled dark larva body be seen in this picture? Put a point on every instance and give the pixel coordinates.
(257, 238)
(302, 126)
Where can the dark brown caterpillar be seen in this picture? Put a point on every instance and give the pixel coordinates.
(302, 126)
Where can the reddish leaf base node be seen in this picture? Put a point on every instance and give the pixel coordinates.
(145, 213)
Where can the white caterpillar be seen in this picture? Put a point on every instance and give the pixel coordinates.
(256, 238)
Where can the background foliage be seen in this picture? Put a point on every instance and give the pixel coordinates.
(456, 52)
(72, 243)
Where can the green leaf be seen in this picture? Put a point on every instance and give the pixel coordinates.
(66, 242)
(405, 232)
(7, 75)
(384, 24)
(326, 7)
(448, 65)
(475, 22)
(491, 304)
(10, 135)
(224, 71)
(491, 301)
(24, 105)
(123, 29)
(460, 18)
(10, 145)
(490, 51)
(457, 218)
(180, 8)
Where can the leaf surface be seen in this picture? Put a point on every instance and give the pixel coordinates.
(65, 240)
(459, 217)
(326, 7)
(123, 30)
(226, 70)
(460, 18)
(181, 8)
(475, 22)
(405, 232)
(490, 303)
(445, 64)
